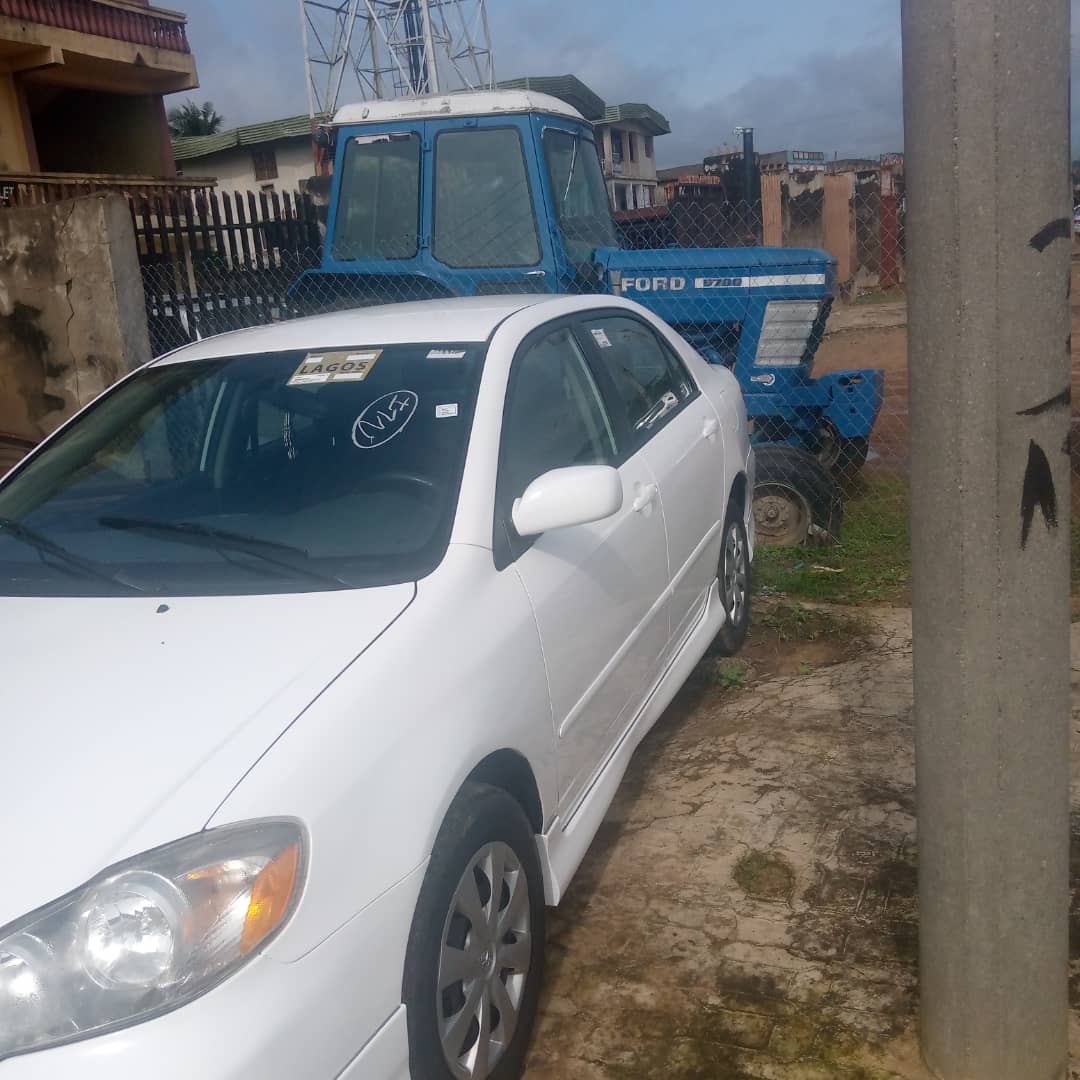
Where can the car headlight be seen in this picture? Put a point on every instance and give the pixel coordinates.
(147, 935)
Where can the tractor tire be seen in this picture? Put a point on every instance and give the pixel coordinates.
(796, 499)
(843, 457)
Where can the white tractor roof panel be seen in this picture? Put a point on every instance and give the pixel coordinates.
(467, 103)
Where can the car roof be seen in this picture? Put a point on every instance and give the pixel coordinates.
(455, 319)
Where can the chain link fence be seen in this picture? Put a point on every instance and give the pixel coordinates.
(819, 345)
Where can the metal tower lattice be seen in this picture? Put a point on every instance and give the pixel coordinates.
(370, 49)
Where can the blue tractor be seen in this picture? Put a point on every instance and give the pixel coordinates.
(502, 192)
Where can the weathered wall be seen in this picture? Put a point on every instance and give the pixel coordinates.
(235, 170)
(72, 318)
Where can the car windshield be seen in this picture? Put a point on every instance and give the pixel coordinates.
(280, 472)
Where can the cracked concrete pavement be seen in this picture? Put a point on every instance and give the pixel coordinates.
(749, 907)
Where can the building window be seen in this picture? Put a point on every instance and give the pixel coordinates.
(616, 147)
(648, 146)
(264, 162)
(630, 140)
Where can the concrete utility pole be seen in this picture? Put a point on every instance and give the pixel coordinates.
(986, 106)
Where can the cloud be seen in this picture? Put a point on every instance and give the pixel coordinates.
(844, 101)
(848, 103)
(804, 94)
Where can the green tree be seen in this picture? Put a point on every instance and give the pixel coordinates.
(192, 118)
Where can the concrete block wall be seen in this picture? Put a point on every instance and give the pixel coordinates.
(72, 316)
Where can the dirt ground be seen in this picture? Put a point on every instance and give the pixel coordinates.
(748, 910)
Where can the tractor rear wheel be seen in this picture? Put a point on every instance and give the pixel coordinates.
(795, 498)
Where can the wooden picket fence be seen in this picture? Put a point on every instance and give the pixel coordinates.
(215, 261)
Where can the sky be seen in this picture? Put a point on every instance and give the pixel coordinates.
(822, 76)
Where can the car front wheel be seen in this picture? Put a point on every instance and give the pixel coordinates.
(476, 951)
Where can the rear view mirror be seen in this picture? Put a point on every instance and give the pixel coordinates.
(563, 497)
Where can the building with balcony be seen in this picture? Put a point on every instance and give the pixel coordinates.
(82, 85)
(625, 137)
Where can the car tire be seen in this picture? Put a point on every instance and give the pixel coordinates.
(451, 936)
(795, 498)
(734, 579)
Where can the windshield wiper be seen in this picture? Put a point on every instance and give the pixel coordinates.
(193, 532)
(570, 173)
(45, 546)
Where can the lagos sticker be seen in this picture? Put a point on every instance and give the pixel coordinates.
(327, 367)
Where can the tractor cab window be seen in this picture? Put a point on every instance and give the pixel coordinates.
(579, 194)
(483, 205)
(378, 211)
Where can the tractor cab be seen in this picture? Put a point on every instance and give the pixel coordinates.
(466, 194)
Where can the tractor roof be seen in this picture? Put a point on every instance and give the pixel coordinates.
(467, 103)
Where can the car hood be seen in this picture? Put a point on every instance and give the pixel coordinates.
(126, 721)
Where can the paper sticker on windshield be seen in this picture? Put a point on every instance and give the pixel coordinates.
(601, 338)
(443, 411)
(327, 367)
(384, 418)
(446, 354)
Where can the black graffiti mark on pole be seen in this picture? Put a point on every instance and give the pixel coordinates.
(1061, 229)
(1038, 492)
(1061, 400)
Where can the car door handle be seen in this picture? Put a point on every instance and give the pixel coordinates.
(646, 494)
(710, 428)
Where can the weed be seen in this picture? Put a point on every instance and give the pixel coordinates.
(806, 669)
(732, 675)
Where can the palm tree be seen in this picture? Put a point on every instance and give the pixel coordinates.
(194, 119)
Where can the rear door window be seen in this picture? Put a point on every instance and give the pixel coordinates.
(378, 211)
(483, 204)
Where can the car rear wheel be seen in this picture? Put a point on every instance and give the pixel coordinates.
(734, 577)
(476, 951)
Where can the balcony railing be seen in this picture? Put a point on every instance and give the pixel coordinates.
(117, 20)
(33, 189)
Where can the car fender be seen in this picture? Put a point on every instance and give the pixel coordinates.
(374, 763)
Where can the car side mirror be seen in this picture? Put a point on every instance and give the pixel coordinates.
(563, 497)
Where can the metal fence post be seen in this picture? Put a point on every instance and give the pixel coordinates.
(986, 103)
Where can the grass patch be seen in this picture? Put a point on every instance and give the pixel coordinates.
(881, 296)
(788, 622)
(766, 875)
(872, 562)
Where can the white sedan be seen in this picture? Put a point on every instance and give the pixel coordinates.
(325, 646)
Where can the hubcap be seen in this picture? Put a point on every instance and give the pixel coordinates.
(484, 962)
(736, 575)
(781, 515)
